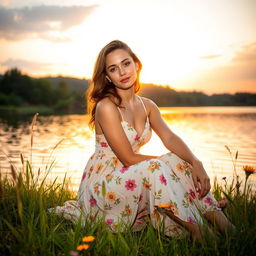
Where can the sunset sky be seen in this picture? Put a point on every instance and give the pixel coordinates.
(205, 45)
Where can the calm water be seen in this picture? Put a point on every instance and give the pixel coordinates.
(206, 130)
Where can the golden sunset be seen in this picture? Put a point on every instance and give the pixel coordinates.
(127, 127)
(194, 45)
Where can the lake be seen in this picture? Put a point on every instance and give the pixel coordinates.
(68, 141)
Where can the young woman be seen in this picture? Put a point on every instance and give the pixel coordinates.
(124, 186)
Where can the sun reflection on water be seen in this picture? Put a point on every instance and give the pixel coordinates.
(206, 130)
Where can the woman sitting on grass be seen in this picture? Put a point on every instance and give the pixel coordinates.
(120, 184)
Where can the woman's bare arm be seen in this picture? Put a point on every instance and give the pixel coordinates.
(108, 118)
(175, 144)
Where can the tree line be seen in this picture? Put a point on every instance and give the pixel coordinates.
(67, 94)
(17, 89)
(165, 96)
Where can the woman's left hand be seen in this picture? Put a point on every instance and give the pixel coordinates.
(201, 179)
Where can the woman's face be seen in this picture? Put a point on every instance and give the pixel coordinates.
(121, 69)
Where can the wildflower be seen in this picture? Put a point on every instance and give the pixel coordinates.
(88, 239)
(163, 205)
(249, 170)
(130, 185)
(109, 221)
(73, 253)
(82, 247)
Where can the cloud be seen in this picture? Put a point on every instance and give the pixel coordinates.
(239, 74)
(247, 54)
(208, 57)
(241, 67)
(24, 64)
(37, 21)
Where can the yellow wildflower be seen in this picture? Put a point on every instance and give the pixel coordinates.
(88, 239)
(82, 247)
(249, 170)
(163, 205)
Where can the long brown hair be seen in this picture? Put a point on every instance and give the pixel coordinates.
(100, 87)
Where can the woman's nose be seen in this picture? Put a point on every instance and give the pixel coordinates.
(121, 70)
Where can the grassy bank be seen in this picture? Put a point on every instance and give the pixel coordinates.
(26, 227)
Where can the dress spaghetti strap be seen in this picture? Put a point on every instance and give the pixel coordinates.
(143, 106)
(120, 114)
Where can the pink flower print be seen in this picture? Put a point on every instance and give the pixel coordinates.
(140, 198)
(208, 200)
(109, 221)
(192, 193)
(191, 220)
(84, 175)
(92, 202)
(104, 144)
(162, 179)
(130, 185)
(137, 137)
(124, 169)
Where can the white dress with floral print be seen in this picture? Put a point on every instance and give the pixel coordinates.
(126, 196)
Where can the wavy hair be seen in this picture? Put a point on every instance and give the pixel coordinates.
(100, 87)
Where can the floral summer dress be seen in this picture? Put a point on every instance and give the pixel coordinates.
(127, 195)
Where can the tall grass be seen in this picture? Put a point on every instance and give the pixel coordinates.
(27, 228)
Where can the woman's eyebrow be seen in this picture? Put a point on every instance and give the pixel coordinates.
(113, 65)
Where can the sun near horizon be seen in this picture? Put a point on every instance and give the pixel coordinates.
(192, 47)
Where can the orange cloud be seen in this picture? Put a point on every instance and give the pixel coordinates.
(239, 75)
(38, 21)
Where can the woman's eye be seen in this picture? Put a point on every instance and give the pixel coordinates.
(127, 63)
(112, 70)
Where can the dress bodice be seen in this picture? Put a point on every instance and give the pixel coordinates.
(136, 141)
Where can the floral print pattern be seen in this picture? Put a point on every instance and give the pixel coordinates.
(129, 194)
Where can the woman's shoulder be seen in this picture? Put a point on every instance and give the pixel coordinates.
(148, 102)
(105, 106)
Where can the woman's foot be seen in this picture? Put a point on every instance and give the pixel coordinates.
(193, 228)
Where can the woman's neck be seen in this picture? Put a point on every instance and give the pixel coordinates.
(128, 96)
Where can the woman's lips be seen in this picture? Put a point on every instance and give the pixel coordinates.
(125, 80)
